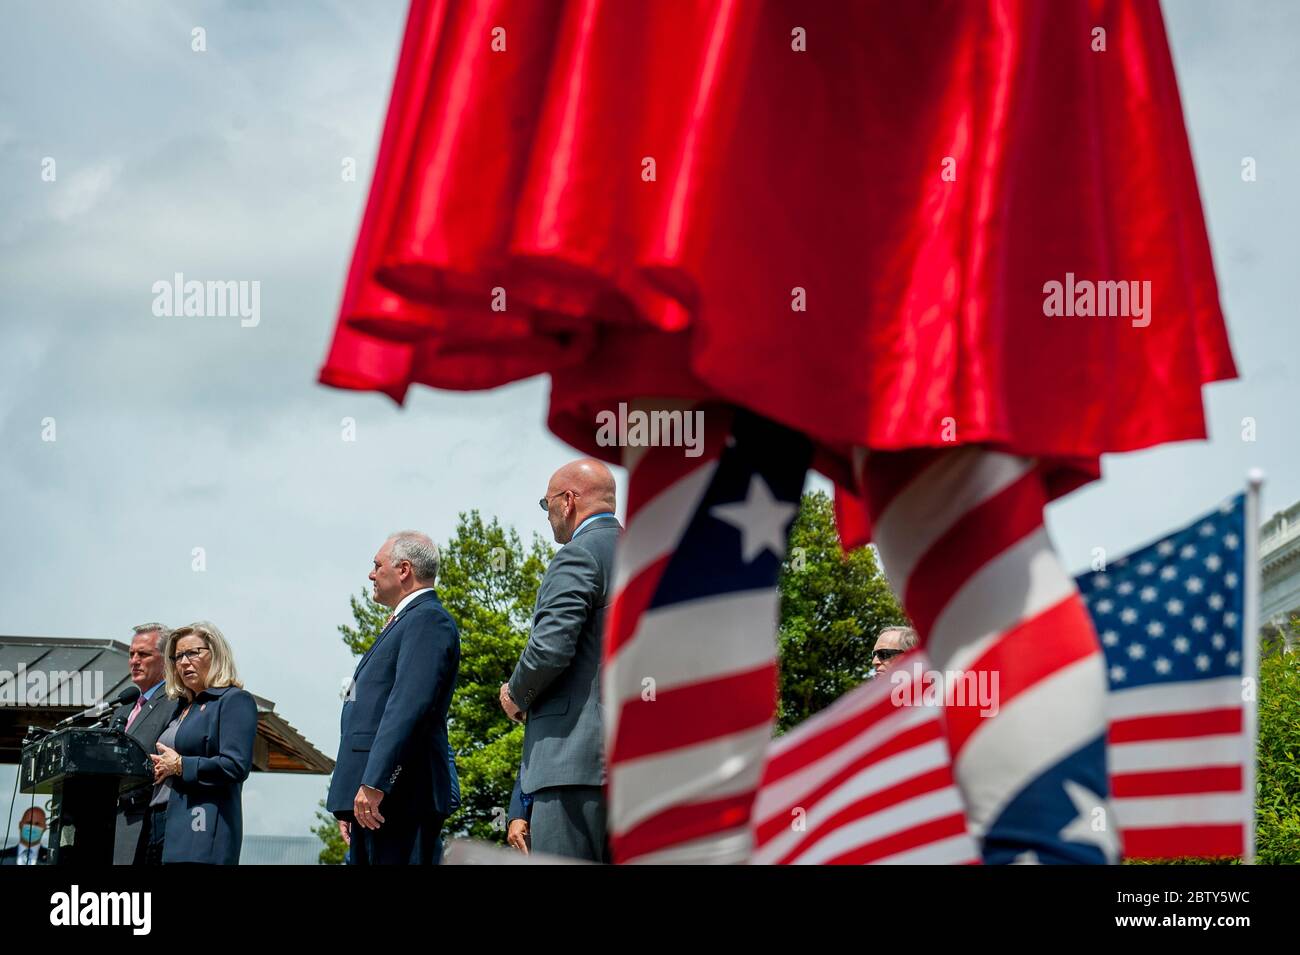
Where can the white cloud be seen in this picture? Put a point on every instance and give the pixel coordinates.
(77, 194)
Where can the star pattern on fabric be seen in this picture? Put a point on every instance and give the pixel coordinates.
(761, 518)
(1082, 829)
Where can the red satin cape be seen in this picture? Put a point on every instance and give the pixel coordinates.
(843, 216)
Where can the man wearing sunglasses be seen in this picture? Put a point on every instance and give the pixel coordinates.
(891, 643)
(556, 684)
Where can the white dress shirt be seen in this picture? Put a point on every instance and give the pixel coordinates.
(27, 854)
(401, 604)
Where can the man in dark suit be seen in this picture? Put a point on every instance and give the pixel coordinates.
(145, 720)
(29, 850)
(556, 684)
(392, 787)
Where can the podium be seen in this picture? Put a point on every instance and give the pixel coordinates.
(85, 770)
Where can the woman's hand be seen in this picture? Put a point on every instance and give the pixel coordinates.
(168, 764)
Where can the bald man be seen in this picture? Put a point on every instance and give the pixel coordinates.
(559, 800)
(29, 850)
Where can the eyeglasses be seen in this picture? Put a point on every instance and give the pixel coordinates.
(546, 501)
(188, 655)
(886, 654)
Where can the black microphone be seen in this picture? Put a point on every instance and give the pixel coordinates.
(99, 709)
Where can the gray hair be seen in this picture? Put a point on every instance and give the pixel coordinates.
(420, 550)
(163, 632)
(907, 641)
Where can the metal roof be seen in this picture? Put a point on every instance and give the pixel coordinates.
(280, 748)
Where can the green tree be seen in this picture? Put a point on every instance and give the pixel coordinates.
(327, 830)
(1277, 793)
(488, 582)
(832, 607)
(369, 618)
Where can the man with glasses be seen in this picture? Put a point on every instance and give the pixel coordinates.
(892, 642)
(556, 684)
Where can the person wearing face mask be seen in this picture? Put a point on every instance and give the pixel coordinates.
(29, 851)
(204, 754)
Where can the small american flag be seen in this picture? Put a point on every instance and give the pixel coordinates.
(1171, 618)
(864, 781)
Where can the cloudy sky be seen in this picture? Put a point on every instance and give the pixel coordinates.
(174, 434)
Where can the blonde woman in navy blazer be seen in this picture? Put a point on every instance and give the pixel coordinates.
(196, 814)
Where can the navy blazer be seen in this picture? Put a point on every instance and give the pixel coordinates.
(10, 856)
(205, 820)
(393, 730)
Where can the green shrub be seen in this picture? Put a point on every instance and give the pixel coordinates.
(1277, 800)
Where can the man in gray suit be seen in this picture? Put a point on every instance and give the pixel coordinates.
(145, 720)
(556, 684)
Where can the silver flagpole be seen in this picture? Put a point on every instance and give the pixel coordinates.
(1250, 651)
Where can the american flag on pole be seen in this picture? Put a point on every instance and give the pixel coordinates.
(1172, 618)
(866, 781)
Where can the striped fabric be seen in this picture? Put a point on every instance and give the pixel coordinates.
(690, 670)
(962, 541)
(1178, 759)
(689, 677)
(1173, 618)
(864, 781)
